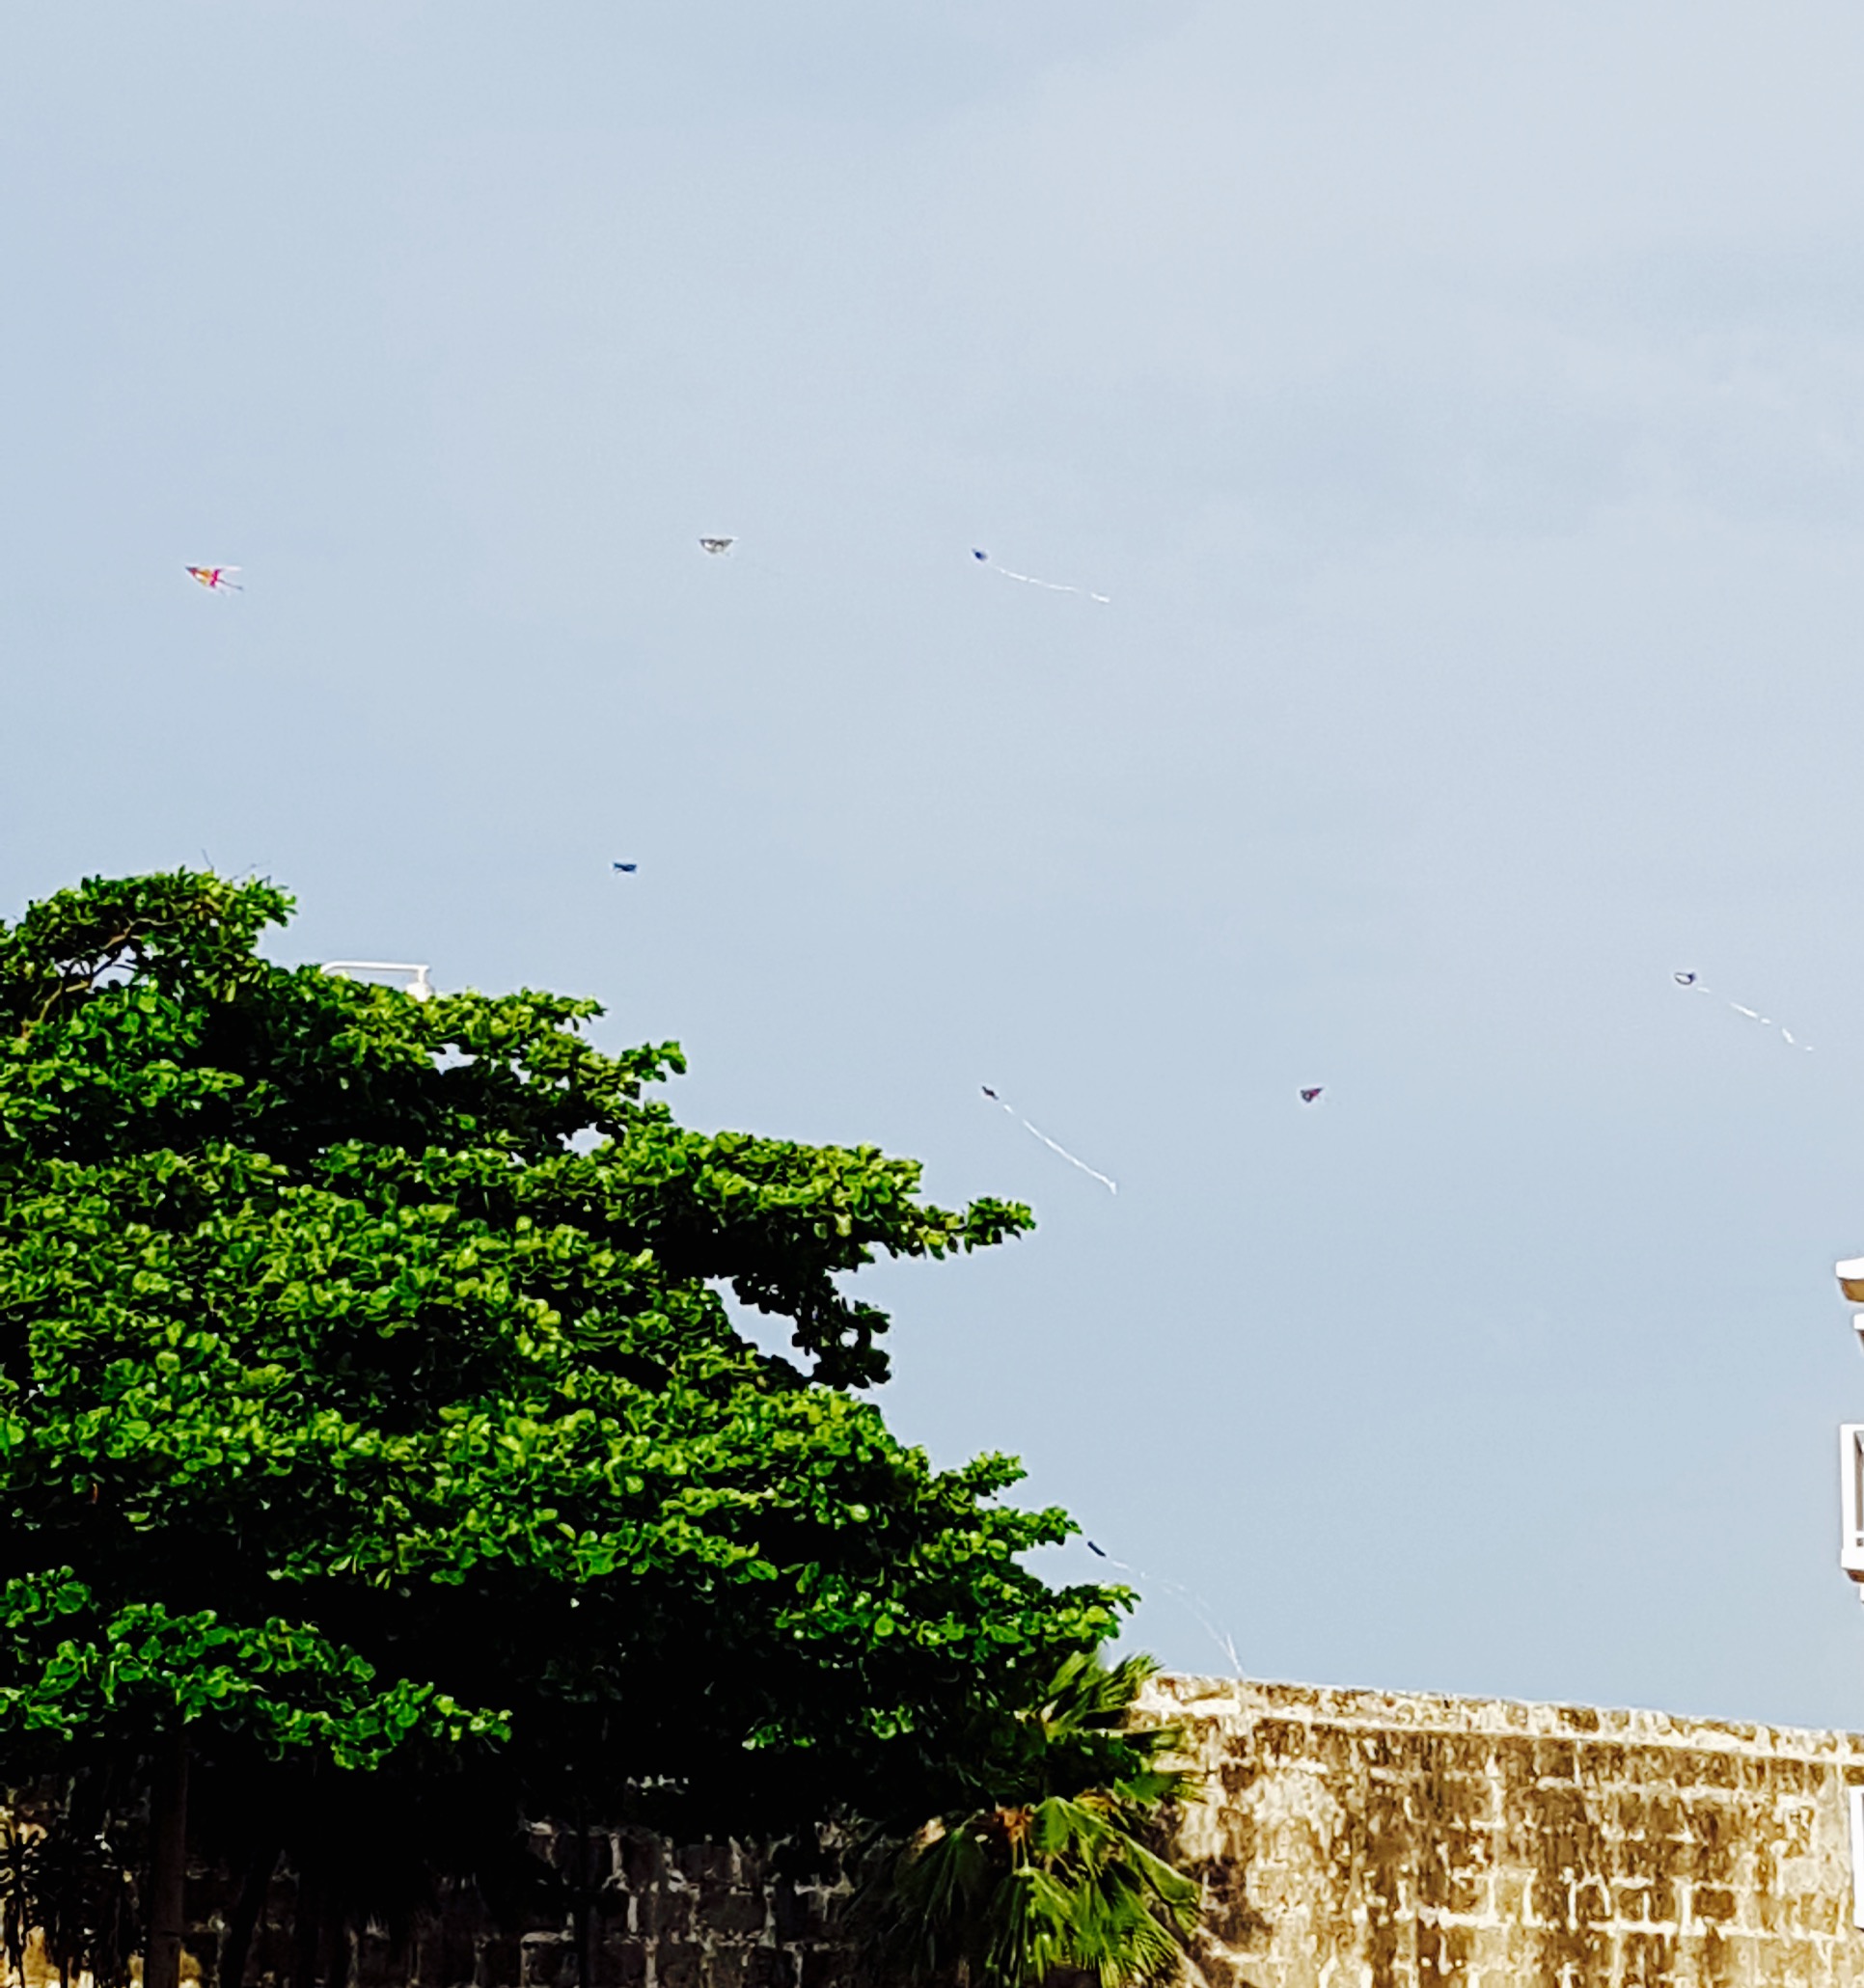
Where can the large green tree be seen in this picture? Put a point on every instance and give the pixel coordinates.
(371, 1403)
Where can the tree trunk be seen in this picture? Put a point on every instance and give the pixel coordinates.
(168, 1861)
(237, 1943)
(336, 1933)
(583, 1896)
(306, 1924)
(583, 1914)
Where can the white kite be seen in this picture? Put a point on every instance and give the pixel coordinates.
(716, 547)
(1110, 1185)
(1692, 984)
(1029, 579)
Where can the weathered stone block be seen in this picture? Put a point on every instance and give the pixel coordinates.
(447, 1953)
(733, 1913)
(724, 1967)
(819, 1967)
(546, 1961)
(796, 1914)
(698, 1862)
(617, 1963)
(378, 1965)
(769, 1967)
(644, 1860)
(500, 1962)
(674, 1913)
(676, 1965)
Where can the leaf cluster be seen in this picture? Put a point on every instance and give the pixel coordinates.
(1055, 1868)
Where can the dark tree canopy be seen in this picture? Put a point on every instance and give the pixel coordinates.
(368, 1401)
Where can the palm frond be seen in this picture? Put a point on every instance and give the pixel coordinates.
(1052, 1870)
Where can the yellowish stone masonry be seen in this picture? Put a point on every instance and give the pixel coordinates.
(1392, 1839)
(1348, 1840)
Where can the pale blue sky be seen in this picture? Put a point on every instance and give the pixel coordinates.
(1464, 408)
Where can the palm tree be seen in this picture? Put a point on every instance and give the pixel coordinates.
(1051, 1871)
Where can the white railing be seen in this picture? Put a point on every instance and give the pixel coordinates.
(419, 986)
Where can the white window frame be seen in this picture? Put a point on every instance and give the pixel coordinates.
(1850, 1499)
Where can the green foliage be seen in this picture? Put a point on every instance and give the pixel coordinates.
(1051, 1870)
(370, 1401)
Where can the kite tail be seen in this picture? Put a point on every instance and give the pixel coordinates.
(1695, 986)
(1050, 586)
(1219, 1635)
(1111, 1187)
(1767, 1022)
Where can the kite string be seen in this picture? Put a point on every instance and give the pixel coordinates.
(1111, 1187)
(1220, 1636)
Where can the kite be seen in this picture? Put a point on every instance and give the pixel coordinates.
(1110, 1185)
(1308, 1096)
(716, 546)
(1220, 1636)
(627, 866)
(214, 579)
(1029, 579)
(1691, 980)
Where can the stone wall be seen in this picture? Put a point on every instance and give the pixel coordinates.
(1358, 1838)
(1349, 1840)
(665, 1916)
